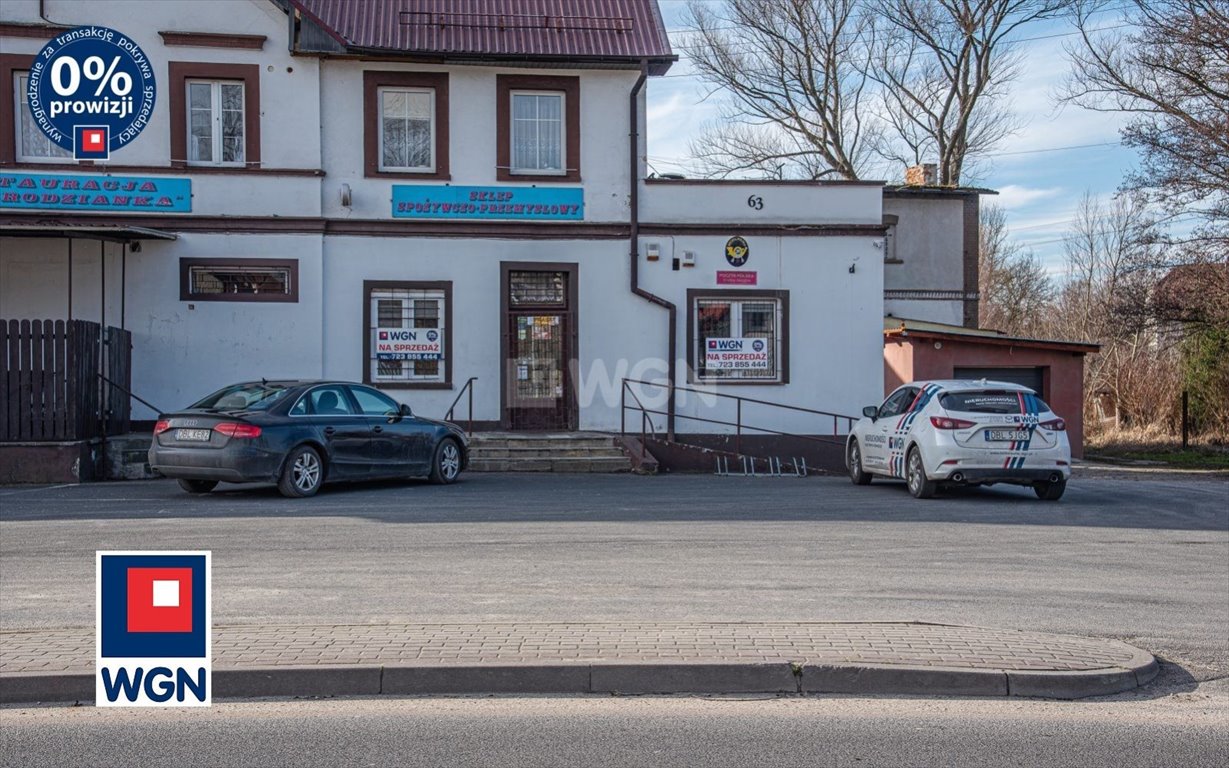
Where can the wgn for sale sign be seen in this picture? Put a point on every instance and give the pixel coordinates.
(736, 354)
(409, 343)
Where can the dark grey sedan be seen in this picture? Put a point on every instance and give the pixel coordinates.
(301, 434)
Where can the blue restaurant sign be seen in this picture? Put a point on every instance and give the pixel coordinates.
(439, 201)
(57, 192)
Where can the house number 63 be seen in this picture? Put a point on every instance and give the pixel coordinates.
(756, 202)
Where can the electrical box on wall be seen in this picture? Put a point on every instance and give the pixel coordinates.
(689, 258)
(652, 252)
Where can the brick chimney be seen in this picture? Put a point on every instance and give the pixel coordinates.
(924, 175)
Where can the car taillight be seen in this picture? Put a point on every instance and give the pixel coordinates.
(943, 422)
(233, 429)
(162, 426)
(1054, 425)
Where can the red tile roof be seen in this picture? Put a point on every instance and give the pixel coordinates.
(584, 31)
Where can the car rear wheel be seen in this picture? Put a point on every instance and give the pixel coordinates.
(446, 466)
(198, 486)
(1050, 491)
(915, 476)
(302, 474)
(858, 475)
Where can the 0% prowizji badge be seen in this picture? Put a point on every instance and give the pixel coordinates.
(91, 91)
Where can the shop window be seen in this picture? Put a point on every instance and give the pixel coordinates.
(407, 334)
(739, 336)
(407, 130)
(215, 111)
(405, 124)
(239, 280)
(538, 127)
(32, 145)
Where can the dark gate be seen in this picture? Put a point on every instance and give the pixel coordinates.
(51, 374)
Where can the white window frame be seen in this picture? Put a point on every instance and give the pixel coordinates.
(777, 339)
(19, 110)
(215, 110)
(407, 375)
(563, 133)
(430, 92)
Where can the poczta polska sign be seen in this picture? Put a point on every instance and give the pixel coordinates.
(91, 91)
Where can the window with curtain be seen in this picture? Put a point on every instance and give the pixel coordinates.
(538, 133)
(32, 144)
(407, 129)
(215, 122)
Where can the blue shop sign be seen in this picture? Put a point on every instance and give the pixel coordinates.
(441, 201)
(58, 192)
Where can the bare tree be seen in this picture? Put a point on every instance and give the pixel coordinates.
(944, 66)
(1114, 263)
(1170, 72)
(1015, 290)
(793, 71)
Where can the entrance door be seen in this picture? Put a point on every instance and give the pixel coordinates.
(540, 329)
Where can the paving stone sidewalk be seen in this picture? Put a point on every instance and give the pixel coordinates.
(911, 644)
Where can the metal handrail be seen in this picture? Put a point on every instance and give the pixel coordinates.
(468, 387)
(138, 398)
(738, 423)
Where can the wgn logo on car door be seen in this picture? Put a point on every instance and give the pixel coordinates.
(154, 615)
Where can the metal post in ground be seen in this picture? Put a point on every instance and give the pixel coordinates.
(738, 433)
(1186, 403)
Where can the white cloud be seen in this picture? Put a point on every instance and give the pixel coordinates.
(1013, 196)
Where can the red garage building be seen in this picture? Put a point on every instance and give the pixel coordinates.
(914, 350)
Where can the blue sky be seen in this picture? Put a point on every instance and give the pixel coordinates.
(1039, 189)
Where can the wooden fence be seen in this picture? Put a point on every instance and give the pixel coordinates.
(51, 380)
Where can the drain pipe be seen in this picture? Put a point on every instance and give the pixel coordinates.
(634, 244)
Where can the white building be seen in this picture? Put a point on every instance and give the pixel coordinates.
(355, 170)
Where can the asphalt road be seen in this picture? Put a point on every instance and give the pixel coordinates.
(1185, 730)
(1142, 560)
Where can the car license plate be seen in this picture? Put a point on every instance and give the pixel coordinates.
(1004, 435)
(199, 435)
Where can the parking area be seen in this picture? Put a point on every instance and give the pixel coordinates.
(1143, 558)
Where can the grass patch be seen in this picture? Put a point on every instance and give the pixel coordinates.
(1151, 445)
(1188, 459)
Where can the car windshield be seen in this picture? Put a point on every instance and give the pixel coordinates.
(256, 396)
(988, 401)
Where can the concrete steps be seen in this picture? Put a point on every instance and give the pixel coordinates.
(561, 452)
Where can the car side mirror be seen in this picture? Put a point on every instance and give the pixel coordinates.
(871, 412)
(399, 414)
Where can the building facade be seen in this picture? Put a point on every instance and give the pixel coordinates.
(414, 198)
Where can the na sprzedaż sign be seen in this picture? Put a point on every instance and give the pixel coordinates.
(59, 192)
(409, 343)
(740, 354)
(439, 201)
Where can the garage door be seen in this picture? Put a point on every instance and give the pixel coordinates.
(1028, 377)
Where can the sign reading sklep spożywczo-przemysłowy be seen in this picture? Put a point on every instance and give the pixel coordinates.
(409, 343)
(740, 354)
(153, 622)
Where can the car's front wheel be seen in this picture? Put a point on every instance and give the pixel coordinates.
(446, 465)
(302, 474)
(198, 486)
(915, 476)
(858, 475)
(1050, 491)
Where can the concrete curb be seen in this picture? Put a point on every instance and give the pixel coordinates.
(631, 678)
